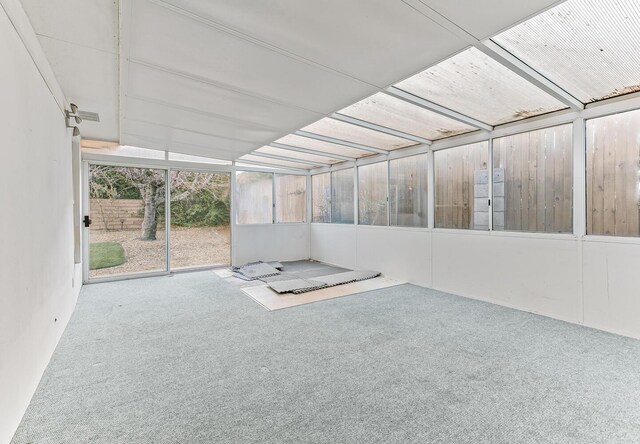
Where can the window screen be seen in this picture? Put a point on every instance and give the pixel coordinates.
(372, 194)
(255, 197)
(291, 198)
(321, 197)
(408, 191)
(342, 196)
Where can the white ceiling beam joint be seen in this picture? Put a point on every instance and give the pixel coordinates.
(428, 105)
(288, 159)
(271, 166)
(341, 142)
(382, 129)
(313, 152)
(508, 60)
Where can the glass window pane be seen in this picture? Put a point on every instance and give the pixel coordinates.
(387, 111)
(460, 179)
(297, 155)
(320, 145)
(342, 196)
(274, 162)
(321, 197)
(613, 175)
(200, 233)
(291, 198)
(372, 194)
(127, 233)
(408, 191)
(533, 182)
(588, 47)
(255, 197)
(352, 133)
(475, 85)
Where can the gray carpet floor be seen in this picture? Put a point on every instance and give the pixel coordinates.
(191, 359)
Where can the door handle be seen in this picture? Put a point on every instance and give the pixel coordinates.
(86, 221)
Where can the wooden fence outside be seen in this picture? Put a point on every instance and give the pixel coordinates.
(613, 170)
(538, 182)
(454, 180)
(116, 214)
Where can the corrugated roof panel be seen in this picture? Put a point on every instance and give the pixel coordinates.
(397, 114)
(275, 162)
(356, 134)
(296, 155)
(477, 86)
(590, 48)
(319, 145)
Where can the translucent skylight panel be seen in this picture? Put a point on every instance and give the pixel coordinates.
(320, 145)
(590, 48)
(296, 155)
(477, 86)
(356, 134)
(387, 111)
(275, 162)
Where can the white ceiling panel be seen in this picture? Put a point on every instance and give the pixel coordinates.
(189, 94)
(162, 37)
(89, 78)
(176, 147)
(219, 147)
(378, 41)
(80, 40)
(93, 24)
(485, 18)
(194, 122)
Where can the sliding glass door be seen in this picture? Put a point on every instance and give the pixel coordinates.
(127, 218)
(200, 213)
(127, 212)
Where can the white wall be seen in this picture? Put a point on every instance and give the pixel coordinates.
(588, 280)
(39, 282)
(270, 242)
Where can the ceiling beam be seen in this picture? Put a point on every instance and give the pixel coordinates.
(383, 129)
(243, 36)
(341, 142)
(309, 151)
(508, 60)
(288, 159)
(428, 105)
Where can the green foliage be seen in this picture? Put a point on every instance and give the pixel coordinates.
(105, 255)
(201, 208)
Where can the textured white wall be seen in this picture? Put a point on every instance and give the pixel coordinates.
(39, 282)
(592, 281)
